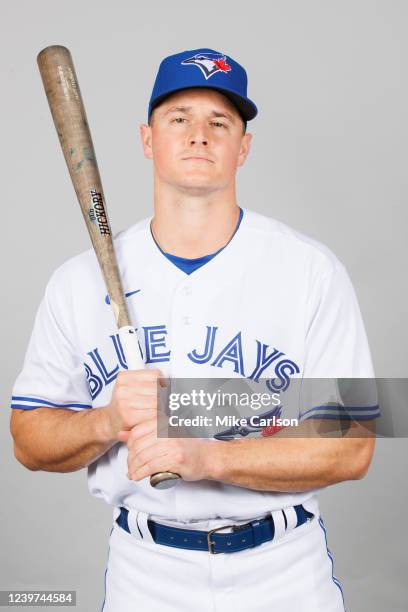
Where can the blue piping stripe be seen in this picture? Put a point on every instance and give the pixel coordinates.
(341, 408)
(35, 400)
(25, 407)
(335, 580)
(355, 417)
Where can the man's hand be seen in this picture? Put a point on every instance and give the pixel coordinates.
(134, 401)
(191, 458)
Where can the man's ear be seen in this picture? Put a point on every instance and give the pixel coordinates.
(146, 138)
(245, 148)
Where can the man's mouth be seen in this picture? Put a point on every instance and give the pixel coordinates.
(198, 158)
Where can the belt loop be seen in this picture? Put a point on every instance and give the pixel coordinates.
(133, 526)
(291, 518)
(279, 524)
(141, 523)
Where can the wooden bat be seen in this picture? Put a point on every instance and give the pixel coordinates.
(68, 111)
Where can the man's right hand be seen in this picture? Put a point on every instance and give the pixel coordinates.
(134, 400)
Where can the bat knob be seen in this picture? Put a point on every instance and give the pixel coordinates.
(164, 480)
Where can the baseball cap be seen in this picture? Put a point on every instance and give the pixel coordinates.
(203, 68)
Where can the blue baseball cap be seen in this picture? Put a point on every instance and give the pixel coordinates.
(204, 68)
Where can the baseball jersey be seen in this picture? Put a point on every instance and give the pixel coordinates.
(273, 304)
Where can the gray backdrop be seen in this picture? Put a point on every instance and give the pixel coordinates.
(328, 158)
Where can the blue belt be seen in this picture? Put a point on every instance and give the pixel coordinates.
(244, 536)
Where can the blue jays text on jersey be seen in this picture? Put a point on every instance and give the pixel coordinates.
(99, 372)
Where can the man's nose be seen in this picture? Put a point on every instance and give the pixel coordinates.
(198, 135)
(202, 141)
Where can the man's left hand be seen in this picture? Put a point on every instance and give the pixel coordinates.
(148, 454)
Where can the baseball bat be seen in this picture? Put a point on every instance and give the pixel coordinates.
(68, 112)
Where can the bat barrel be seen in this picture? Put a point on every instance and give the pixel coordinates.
(69, 115)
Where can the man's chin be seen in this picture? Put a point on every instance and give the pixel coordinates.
(198, 188)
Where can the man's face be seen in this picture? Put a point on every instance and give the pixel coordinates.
(196, 141)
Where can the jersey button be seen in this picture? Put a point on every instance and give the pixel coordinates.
(186, 320)
(187, 290)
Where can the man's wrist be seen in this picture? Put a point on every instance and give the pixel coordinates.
(215, 459)
(104, 431)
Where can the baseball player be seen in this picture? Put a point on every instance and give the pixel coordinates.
(215, 290)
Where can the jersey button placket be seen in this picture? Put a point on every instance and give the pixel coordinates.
(186, 292)
(181, 320)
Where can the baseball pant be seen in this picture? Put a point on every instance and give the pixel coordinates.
(291, 573)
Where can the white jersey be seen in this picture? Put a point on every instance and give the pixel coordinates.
(271, 290)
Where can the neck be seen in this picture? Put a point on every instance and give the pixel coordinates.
(192, 226)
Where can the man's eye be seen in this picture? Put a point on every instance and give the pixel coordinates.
(179, 120)
(218, 124)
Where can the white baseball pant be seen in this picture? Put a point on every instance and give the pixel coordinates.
(293, 572)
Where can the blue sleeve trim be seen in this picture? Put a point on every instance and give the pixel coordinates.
(339, 411)
(42, 402)
(354, 417)
(26, 407)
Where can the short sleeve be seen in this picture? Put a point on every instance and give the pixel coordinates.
(53, 374)
(337, 350)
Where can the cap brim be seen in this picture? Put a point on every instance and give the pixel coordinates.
(245, 106)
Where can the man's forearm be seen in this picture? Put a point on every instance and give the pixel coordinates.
(290, 464)
(60, 440)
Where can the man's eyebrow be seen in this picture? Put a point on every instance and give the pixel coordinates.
(178, 109)
(223, 114)
(187, 109)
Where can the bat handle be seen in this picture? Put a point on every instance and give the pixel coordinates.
(131, 351)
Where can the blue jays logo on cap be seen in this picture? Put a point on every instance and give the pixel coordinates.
(203, 68)
(208, 63)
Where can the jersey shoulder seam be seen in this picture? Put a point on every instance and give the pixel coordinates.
(266, 225)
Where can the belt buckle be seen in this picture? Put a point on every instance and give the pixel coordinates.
(210, 533)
